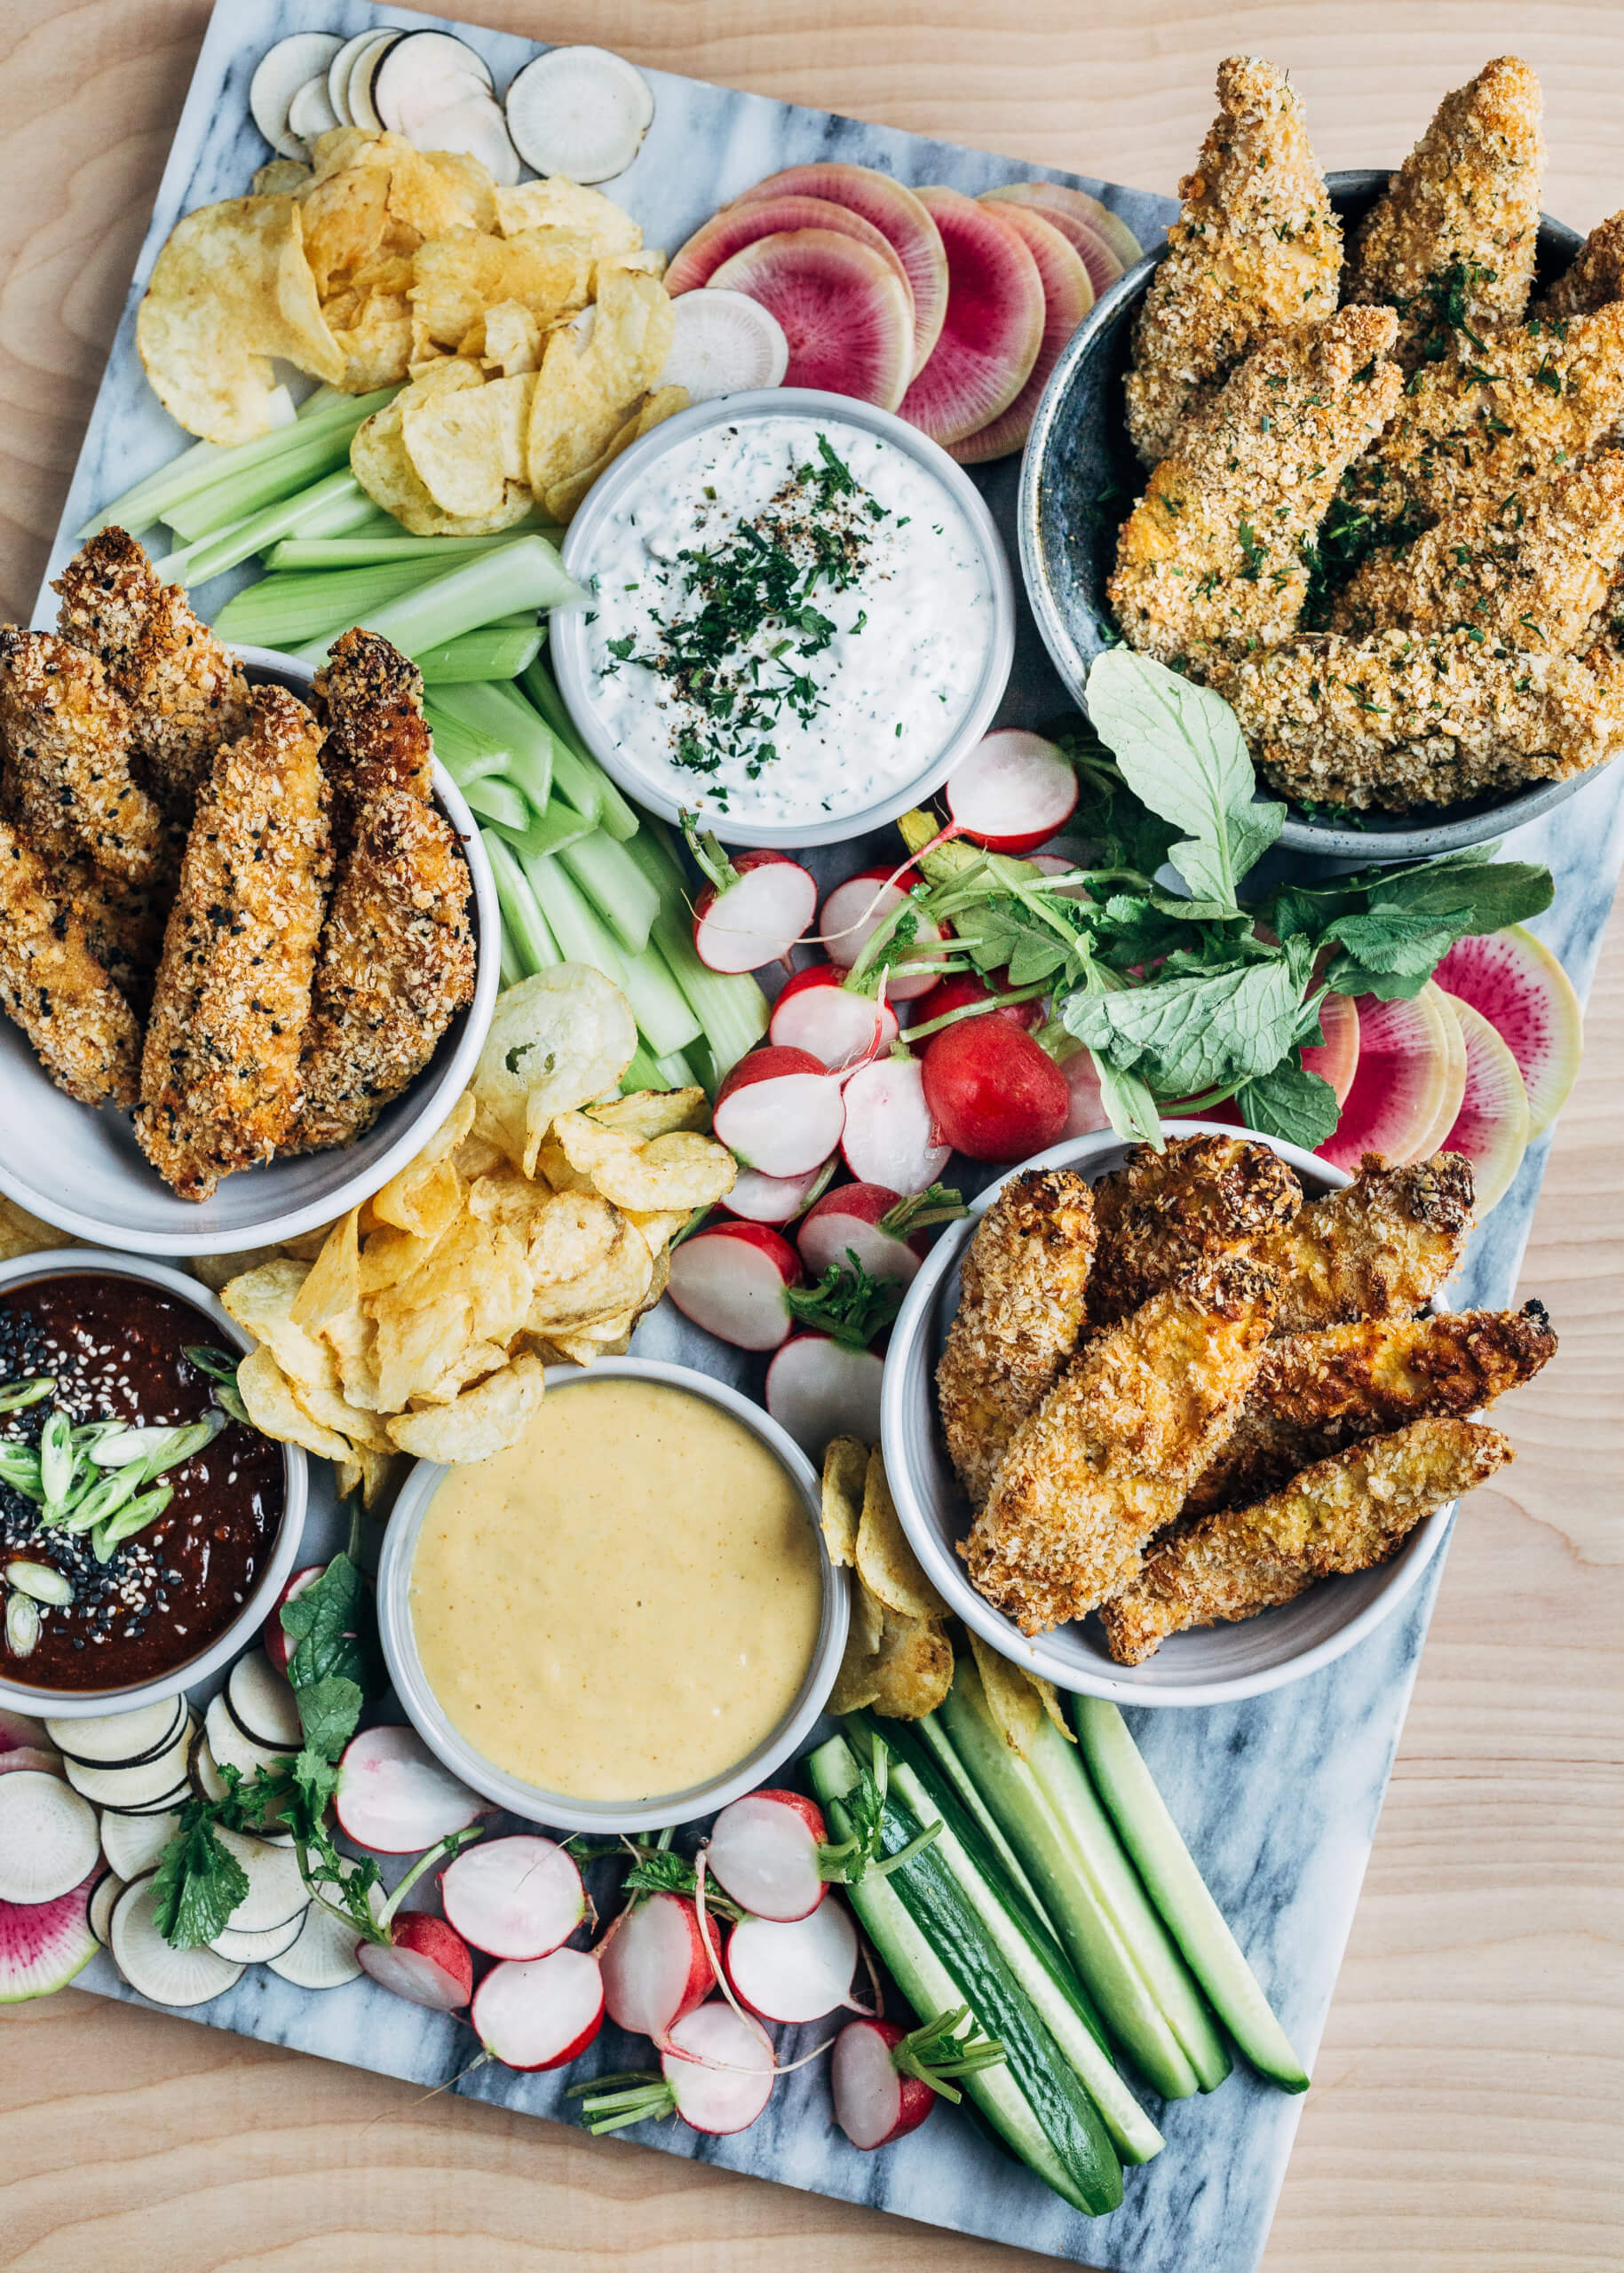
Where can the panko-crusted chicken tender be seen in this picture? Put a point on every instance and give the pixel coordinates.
(1460, 216)
(377, 736)
(1596, 277)
(81, 1029)
(1317, 1393)
(1344, 1514)
(65, 737)
(1212, 556)
(1257, 248)
(1025, 1278)
(1160, 1214)
(1379, 1248)
(1106, 1459)
(220, 1070)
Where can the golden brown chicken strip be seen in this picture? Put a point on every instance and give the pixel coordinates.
(1344, 1514)
(1596, 277)
(186, 691)
(1160, 1214)
(1379, 1248)
(1318, 1392)
(1257, 248)
(1023, 1279)
(1106, 1459)
(66, 740)
(377, 736)
(1451, 245)
(1212, 556)
(220, 1069)
(82, 1030)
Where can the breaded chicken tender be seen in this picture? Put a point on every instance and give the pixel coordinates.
(1344, 1514)
(1160, 1214)
(1106, 1459)
(1596, 277)
(66, 736)
(1318, 1392)
(220, 1069)
(1023, 1284)
(1212, 556)
(1462, 212)
(1257, 249)
(377, 736)
(1379, 1248)
(82, 1030)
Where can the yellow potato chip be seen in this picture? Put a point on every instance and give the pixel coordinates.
(558, 1039)
(658, 1227)
(914, 1670)
(564, 496)
(654, 1113)
(484, 1420)
(886, 1564)
(330, 1409)
(276, 1412)
(648, 260)
(573, 1234)
(452, 1130)
(350, 1478)
(21, 1233)
(332, 1285)
(346, 222)
(846, 1469)
(390, 1257)
(342, 146)
(306, 1246)
(262, 1301)
(584, 395)
(1011, 1697)
(468, 445)
(867, 1617)
(1048, 1697)
(376, 344)
(282, 177)
(353, 1340)
(499, 1194)
(681, 1171)
(616, 1281)
(512, 339)
(418, 1336)
(424, 1198)
(470, 185)
(857, 1684)
(389, 272)
(457, 276)
(433, 198)
(214, 1270)
(471, 1363)
(558, 203)
(476, 1156)
(378, 1471)
(379, 462)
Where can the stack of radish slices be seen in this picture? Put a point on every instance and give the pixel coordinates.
(428, 86)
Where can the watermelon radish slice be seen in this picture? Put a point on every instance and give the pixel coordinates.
(42, 1945)
(993, 327)
(900, 219)
(1492, 1127)
(1106, 246)
(1404, 1062)
(1523, 990)
(1336, 1059)
(843, 309)
(735, 227)
(1067, 297)
(1453, 1087)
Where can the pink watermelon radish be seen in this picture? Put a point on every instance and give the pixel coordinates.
(993, 327)
(900, 217)
(1101, 241)
(1404, 1062)
(1492, 1127)
(735, 227)
(1523, 990)
(844, 312)
(1067, 297)
(1087, 1114)
(42, 1945)
(1336, 1059)
(1453, 1087)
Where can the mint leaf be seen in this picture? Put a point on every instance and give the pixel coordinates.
(198, 1883)
(1290, 1103)
(1196, 1031)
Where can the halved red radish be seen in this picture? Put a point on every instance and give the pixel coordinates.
(796, 1970)
(731, 1280)
(43, 1945)
(879, 1226)
(1106, 245)
(818, 1388)
(968, 990)
(817, 1011)
(890, 1137)
(519, 1897)
(425, 1960)
(1404, 1062)
(1067, 297)
(654, 1965)
(723, 344)
(735, 227)
(766, 1849)
(1086, 1114)
(539, 2013)
(579, 111)
(21, 1728)
(1492, 1127)
(852, 915)
(899, 217)
(1336, 1059)
(779, 1111)
(873, 2101)
(277, 1648)
(1522, 990)
(844, 310)
(718, 2068)
(994, 322)
(993, 1092)
(1013, 792)
(760, 1198)
(49, 1840)
(764, 905)
(1453, 1089)
(394, 1797)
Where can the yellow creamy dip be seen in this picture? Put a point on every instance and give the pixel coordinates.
(626, 1602)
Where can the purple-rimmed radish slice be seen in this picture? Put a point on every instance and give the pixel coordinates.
(722, 343)
(43, 1945)
(654, 1965)
(899, 217)
(735, 227)
(993, 1092)
(817, 1011)
(1013, 792)
(766, 1852)
(277, 1648)
(519, 1897)
(1106, 244)
(994, 324)
(1336, 1059)
(580, 111)
(877, 1225)
(132, 1843)
(853, 913)
(162, 1974)
(1454, 1090)
(104, 1892)
(1517, 985)
(844, 310)
(1067, 297)
(394, 1797)
(280, 73)
(890, 1137)
(425, 1961)
(761, 905)
(731, 1279)
(1491, 1126)
(121, 1739)
(760, 1198)
(539, 2013)
(796, 1970)
(779, 1111)
(1404, 1067)
(49, 1840)
(818, 1388)
(421, 74)
(884, 2082)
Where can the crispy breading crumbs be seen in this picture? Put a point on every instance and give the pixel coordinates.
(81, 1029)
(1596, 277)
(1162, 1214)
(66, 736)
(1379, 1248)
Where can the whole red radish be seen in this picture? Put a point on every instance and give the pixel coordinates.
(654, 1965)
(537, 2013)
(885, 2081)
(1013, 792)
(760, 903)
(879, 1226)
(993, 1093)
(779, 1111)
(766, 1852)
(278, 1647)
(962, 988)
(730, 1278)
(853, 913)
(817, 1011)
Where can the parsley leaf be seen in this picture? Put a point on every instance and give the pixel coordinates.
(847, 1305)
(198, 1883)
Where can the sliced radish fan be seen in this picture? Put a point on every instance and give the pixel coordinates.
(899, 217)
(847, 318)
(1492, 1127)
(994, 322)
(729, 231)
(581, 112)
(1517, 983)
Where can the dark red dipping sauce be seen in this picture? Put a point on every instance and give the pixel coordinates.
(116, 1347)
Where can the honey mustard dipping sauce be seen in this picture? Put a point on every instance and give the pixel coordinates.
(625, 1602)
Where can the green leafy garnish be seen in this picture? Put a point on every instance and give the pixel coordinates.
(846, 1303)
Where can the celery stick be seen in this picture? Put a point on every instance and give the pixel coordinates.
(512, 970)
(279, 611)
(733, 1012)
(525, 927)
(577, 781)
(665, 1019)
(616, 887)
(210, 510)
(495, 713)
(676, 1072)
(527, 573)
(363, 551)
(327, 508)
(614, 814)
(540, 839)
(496, 801)
(465, 756)
(484, 653)
(580, 936)
(643, 1072)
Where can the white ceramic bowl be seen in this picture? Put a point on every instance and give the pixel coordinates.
(84, 1172)
(1211, 1665)
(62, 1704)
(427, 1716)
(568, 625)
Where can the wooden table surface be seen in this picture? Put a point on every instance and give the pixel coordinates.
(1464, 2108)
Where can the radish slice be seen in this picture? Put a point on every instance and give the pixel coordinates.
(394, 1797)
(121, 1739)
(796, 1971)
(423, 73)
(30, 1756)
(778, 1111)
(105, 1892)
(518, 1897)
(262, 1703)
(1492, 1128)
(899, 217)
(155, 1783)
(1106, 245)
(357, 86)
(994, 326)
(722, 343)
(764, 1850)
(240, 1948)
(865, 1220)
(1453, 1089)
(760, 1198)
(874, 2102)
(580, 111)
(323, 1957)
(731, 1280)
(817, 1012)
(852, 915)
(720, 2068)
(339, 74)
(818, 1389)
(279, 75)
(756, 919)
(426, 1962)
(1067, 297)
(1404, 1062)
(206, 1770)
(1522, 990)
(277, 1646)
(230, 1747)
(43, 1945)
(542, 2012)
(654, 1965)
(1013, 792)
(729, 231)
(49, 1841)
(474, 126)
(132, 1843)
(310, 113)
(1336, 1059)
(276, 1888)
(1086, 1114)
(162, 1974)
(21, 1728)
(891, 1136)
(842, 308)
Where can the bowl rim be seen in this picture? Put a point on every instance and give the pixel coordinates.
(437, 1098)
(943, 1566)
(568, 625)
(82, 1704)
(424, 1709)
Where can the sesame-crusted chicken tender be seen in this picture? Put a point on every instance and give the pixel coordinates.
(1106, 1459)
(1596, 277)
(82, 1030)
(220, 1070)
(1257, 248)
(1344, 1514)
(1212, 556)
(66, 736)
(123, 923)
(377, 736)
(1160, 1214)
(1023, 1284)
(1450, 244)
(1318, 1392)
(1378, 1248)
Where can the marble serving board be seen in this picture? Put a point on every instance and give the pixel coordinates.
(1278, 1797)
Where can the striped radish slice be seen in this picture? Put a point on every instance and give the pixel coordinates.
(1067, 297)
(899, 217)
(994, 322)
(842, 308)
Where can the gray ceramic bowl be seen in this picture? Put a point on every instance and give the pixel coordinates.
(1079, 477)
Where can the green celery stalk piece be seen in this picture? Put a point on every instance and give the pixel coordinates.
(732, 1010)
(665, 1018)
(574, 924)
(525, 573)
(328, 506)
(485, 654)
(498, 802)
(577, 781)
(281, 610)
(526, 930)
(616, 887)
(211, 511)
(557, 828)
(676, 1072)
(466, 757)
(621, 818)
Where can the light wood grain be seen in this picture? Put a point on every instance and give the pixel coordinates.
(1464, 2114)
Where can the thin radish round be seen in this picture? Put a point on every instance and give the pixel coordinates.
(1454, 1090)
(357, 86)
(394, 1797)
(121, 1739)
(764, 1852)
(873, 2101)
(280, 73)
(262, 1704)
(1086, 1114)
(324, 1955)
(205, 1770)
(423, 72)
(1068, 295)
(277, 1646)
(875, 1225)
(519, 1897)
(1522, 990)
(845, 314)
(994, 324)
(425, 1961)
(162, 1974)
(1106, 246)
(43, 1945)
(1404, 1066)
(1492, 1127)
(339, 74)
(720, 2068)
(817, 1012)
(539, 2013)
(778, 1111)
(794, 1971)
(310, 113)
(731, 1280)
(900, 217)
(132, 1843)
(276, 1890)
(1013, 792)
(853, 913)
(155, 1783)
(993, 1092)
(580, 111)
(239, 1947)
(722, 343)
(474, 126)
(890, 1135)
(1336, 1059)
(760, 1198)
(228, 1744)
(818, 1388)
(105, 1892)
(756, 917)
(654, 1965)
(735, 227)
(49, 1841)
(962, 988)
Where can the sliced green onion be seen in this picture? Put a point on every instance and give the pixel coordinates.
(56, 1459)
(126, 1445)
(18, 1396)
(20, 1468)
(218, 1365)
(486, 654)
(41, 1582)
(21, 1625)
(525, 927)
(140, 1512)
(93, 1507)
(497, 801)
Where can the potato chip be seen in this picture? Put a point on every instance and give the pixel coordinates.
(585, 396)
(846, 1469)
(213, 1270)
(867, 1617)
(332, 1285)
(346, 222)
(434, 198)
(573, 1234)
(376, 344)
(417, 1336)
(389, 1257)
(914, 1670)
(330, 1409)
(456, 277)
(558, 1039)
(470, 184)
(339, 147)
(648, 260)
(563, 498)
(486, 1419)
(273, 1409)
(1048, 1697)
(389, 272)
(471, 1363)
(262, 1302)
(424, 1198)
(499, 1194)
(681, 1171)
(1011, 1697)
(350, 1478)
(654, 1113)
(512, 339)
(452, 1130)
(379, 462)
(561, 204)
(857, 1684)
(658, 1227)
(886, 1564)
(616, 1281)
(468, 446)
(282, 177)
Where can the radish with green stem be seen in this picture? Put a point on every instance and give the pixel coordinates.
(730, 1278)
(539, 2013)
(870, 905)
(818, 1388)
(654, 1965)
(796, 1970)
(971, 993)
(816, 1011)
(771, 1852)
(879, 1227)
(993, 1092)
(885, 2079)
(520, 1897)
(394, 1797)
(411, 1953)
(755, 907)
(760, 1198)
(43, 1945)
(717, 2072)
